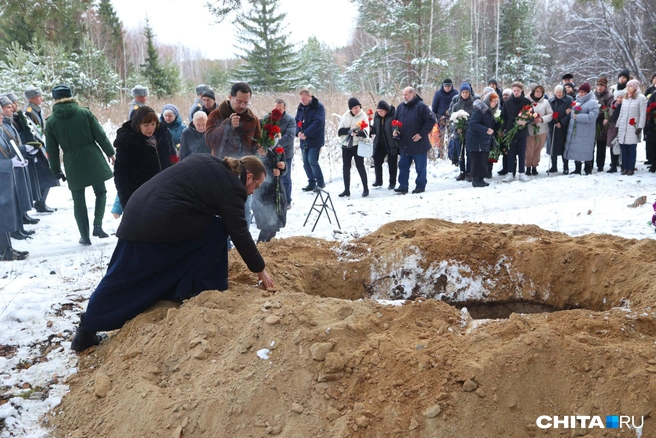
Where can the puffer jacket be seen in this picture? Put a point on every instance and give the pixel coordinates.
(543, 108)
(580, 143)
(635, 108)
(347, 122)
(482, 119)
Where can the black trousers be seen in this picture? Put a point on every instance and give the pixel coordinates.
(347, 155)
(478, 161)
(142, 273)
(392, 163)
(601, 154)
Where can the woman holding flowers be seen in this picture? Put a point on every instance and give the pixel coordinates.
(516, 113)
(480, 132)
(630, 123)
(385, 145)
(561, 104)
(465, 103)
(582, 130)
(270, 201)
(352, 127)
(538, 128)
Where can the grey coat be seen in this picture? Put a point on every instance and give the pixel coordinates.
(579, 145)
(288, 132)
(11, 217)
(632, 109)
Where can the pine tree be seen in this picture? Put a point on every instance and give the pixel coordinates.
(112, 36)
(163, 80)
(318, 67)
(270, 61)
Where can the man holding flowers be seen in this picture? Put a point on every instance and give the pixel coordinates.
(417, 121)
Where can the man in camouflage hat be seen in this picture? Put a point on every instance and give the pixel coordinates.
(198, 102)
(33, 108)
(139, 99)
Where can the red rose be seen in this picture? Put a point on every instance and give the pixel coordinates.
(279, 150)
(275, 129)
(271, 135)
(535, 104)
(632, 121)
(370, 112)
(555, 116)
(276, 115)
(362, 124)
(300, 125)
(396, 123)
(267, 126)
(574, 103)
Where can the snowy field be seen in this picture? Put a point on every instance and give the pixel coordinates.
(41, 297)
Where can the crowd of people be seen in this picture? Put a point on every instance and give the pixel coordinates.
(189, 192)
(514, 125)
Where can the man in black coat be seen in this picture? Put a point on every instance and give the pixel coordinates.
(442, 99)
(173, 241)
(417, 121)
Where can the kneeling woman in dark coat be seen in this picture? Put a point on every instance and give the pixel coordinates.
(172, 241)
(143, 149)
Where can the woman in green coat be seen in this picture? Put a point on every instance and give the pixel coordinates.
(78, 134)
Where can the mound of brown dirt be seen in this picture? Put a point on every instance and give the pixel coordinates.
(307, 361)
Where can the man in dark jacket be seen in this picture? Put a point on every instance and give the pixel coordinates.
(198, 101)
(232, 129)
(173, 241)
(310, 124)
(517, 147)
(287, 133)
(442, 100)
(492, 83)
(385, 145)
(417, 121)
(604, 99)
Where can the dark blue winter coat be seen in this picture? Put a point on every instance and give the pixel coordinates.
(442, 100)
(313, 119)
(417, 118)
(478, 140)
(175, 128)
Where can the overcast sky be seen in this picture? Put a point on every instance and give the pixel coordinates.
(190, 24)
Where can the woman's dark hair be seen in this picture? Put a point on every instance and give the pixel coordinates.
(143, 115)
(250, 164)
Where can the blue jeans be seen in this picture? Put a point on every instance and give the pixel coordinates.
(628, 156)
(287, 180)
(420, 166)
(312, 168)
(517, 149)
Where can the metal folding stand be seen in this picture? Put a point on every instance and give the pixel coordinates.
(321, 206)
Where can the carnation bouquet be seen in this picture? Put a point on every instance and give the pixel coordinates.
(525, 114)
(460, 119)
(271, 130)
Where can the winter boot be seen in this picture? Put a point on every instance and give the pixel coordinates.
(83, 339)
(554, 165)
(461, 177)
(534, 171)
(98, 232)
(587, 167)
(577, 170)
(478, 182)
(365, 192)
(565, 167)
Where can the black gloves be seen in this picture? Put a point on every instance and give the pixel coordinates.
(638, 132)
(60, 175)
(343, 131)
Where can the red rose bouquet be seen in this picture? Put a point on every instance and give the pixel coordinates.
(526, 115)
(271, 129)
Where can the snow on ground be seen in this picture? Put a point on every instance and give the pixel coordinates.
(41, 297)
